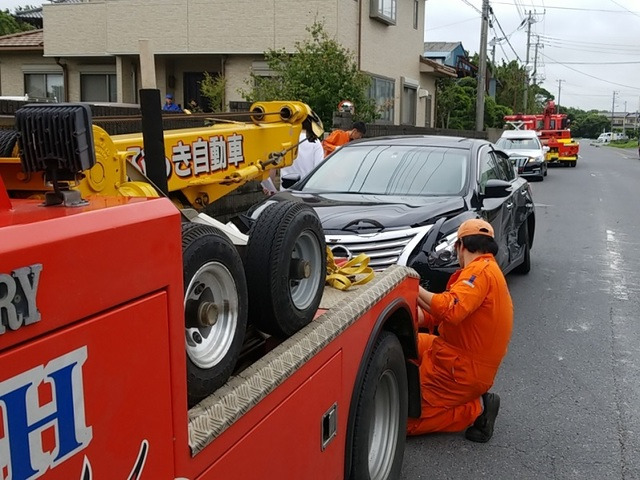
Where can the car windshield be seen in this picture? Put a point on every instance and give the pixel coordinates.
(392, 170)
(518, 143)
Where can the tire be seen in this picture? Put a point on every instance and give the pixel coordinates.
(379, 428)
(525, 266)
(573, 164)
(546, 170)
(8, 139)
(214, 285)
(285, 267)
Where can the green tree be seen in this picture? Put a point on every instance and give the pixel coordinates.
(212, 88)
(587, 124)
(510, 85)
(9, 24)
(320, 73)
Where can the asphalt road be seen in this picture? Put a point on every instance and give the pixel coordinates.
(570, 384)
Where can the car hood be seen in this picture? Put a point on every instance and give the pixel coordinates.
(523, 153)
(358, 213)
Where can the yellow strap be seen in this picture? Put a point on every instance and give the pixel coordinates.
(345, 276)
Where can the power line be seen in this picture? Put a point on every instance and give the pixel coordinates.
(506, 37)
(622, 6)
(593, 63)
(566, 40)
(472, 6)
(592, 76)
(575, 8)
(454, 23)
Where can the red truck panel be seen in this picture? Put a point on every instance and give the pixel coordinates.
(95, 396)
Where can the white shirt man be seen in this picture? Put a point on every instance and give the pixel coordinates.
(310, 155)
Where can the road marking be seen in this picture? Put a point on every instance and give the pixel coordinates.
(616, 266)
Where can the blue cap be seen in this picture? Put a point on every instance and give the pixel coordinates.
(169, 95)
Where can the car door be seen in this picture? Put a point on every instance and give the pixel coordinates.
(497, 211)
(522, 205)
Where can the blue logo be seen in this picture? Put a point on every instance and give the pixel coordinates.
(26, 418)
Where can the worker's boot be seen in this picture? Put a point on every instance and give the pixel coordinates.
(482, 429)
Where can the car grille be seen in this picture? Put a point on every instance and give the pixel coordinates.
(384, 248)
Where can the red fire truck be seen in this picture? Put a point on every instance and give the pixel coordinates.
(553, 131)
(93, 366)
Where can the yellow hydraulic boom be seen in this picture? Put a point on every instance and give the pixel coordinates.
(203, 164)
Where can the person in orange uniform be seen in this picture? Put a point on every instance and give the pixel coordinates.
(474, 317)
(340, 137)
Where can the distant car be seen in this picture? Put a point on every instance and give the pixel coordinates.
(525, 152)
(401, 200)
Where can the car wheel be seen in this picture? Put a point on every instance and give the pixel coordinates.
(379, 428)
(525, 266)
(285, 268)
(215, 304)
(546, 170)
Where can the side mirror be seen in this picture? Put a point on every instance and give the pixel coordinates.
(545, 148)
(290, 180)
(497, 188)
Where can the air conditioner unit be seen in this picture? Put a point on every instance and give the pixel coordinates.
(423, 93)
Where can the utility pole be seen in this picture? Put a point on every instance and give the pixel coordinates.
(526, 64)
(482, 67)
(559, 90)
(535, 62)
(613, 106)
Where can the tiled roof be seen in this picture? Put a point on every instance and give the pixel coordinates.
(29, 40)
(36, 12)
(440, 46)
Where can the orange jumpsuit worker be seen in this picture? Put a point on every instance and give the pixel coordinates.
(338, 138)
(474, 317)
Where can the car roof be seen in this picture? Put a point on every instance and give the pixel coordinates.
(519, 134)
(421, 140)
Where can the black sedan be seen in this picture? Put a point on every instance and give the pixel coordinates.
(401, 200)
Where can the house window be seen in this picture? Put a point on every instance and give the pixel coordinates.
(44, 85)
(416, 13)
(98, 87)
(409, 102)
(384, 11)
(382, 91)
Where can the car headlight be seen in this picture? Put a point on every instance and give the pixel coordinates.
(536, 159)
(445, 250)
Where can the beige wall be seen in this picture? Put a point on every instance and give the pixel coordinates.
(113, 27)
(14, 65)
(191, 35)
(394, 51)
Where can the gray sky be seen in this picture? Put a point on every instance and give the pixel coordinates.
(590, 45)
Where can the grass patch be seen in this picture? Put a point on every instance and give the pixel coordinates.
(624, 144)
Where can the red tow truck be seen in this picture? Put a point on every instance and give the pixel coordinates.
(553, 131)
(93, 366)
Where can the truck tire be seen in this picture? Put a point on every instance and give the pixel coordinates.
(285, 267)
(380, 424)
(215, 303)
(8, 140)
